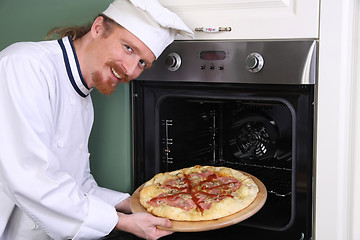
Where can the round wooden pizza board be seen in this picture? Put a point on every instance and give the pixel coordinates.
(198, 226)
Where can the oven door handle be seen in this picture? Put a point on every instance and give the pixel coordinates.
(212, 29)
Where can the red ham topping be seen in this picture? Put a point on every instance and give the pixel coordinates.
(200, 190)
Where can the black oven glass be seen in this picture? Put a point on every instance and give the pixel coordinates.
(266, 131)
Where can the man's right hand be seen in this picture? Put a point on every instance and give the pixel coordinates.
(143, 225)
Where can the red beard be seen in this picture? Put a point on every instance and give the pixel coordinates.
(101, 86)
(108, 87)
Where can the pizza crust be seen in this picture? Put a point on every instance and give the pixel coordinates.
(240, 199)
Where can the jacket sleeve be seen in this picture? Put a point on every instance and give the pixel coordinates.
(110, 196)
(30, 173)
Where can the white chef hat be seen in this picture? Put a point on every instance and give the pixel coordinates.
(153, 24)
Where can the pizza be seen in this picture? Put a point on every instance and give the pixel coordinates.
(198, 193)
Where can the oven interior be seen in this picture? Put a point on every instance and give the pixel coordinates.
(252, 135)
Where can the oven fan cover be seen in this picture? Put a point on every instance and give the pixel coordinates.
(254, 137)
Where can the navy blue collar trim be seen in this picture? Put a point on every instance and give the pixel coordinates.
(77, 64)
(69, 70)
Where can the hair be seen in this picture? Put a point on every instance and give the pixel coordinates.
(77, 32)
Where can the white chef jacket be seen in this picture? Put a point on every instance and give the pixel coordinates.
(46, 115)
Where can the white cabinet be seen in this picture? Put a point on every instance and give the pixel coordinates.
(250, 19)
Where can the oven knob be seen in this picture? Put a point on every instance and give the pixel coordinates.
(254, 62)
(173, 61)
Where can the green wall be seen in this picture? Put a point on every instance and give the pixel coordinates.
(30, 20)
(110, 139)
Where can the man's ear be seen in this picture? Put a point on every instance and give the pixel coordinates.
(97, 27)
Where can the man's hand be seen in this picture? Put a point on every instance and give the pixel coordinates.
(143, 225)
(124, 206)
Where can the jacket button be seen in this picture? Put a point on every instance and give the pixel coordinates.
(35, 226)
(60, 143)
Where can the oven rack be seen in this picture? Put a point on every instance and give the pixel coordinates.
(277, 180)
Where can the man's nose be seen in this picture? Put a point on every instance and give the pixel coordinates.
(130, 66)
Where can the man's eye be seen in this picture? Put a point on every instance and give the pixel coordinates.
(142, 63)
(128, 48)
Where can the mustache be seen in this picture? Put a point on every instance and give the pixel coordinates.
(124, 77)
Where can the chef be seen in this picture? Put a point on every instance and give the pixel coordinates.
(46, 115)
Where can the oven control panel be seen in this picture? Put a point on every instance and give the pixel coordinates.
(236, 61)
(254, 62)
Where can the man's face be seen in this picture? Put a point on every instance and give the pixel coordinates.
(116, 58)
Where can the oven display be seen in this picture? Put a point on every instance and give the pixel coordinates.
(212, 55)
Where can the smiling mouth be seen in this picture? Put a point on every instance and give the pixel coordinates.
(116, 74)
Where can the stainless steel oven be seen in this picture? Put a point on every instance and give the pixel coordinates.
(248, 105)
